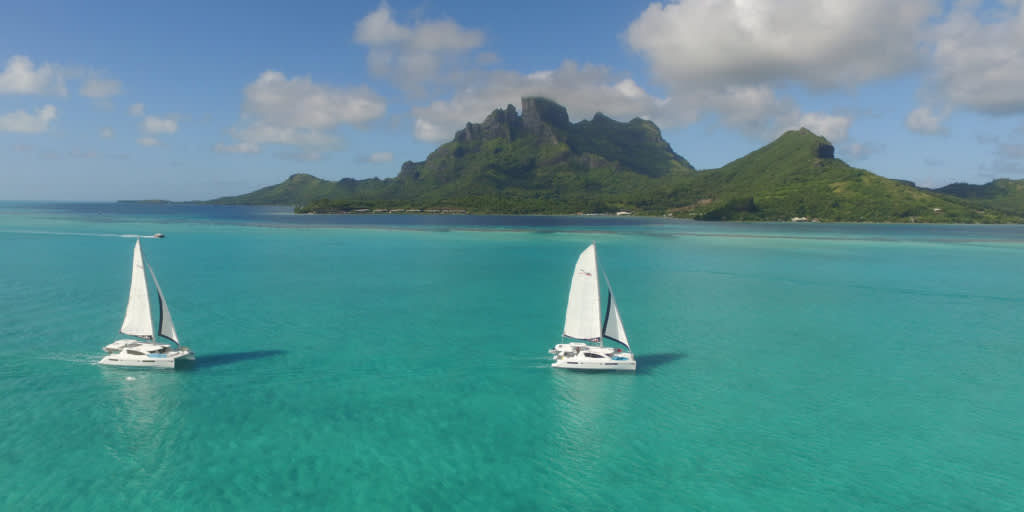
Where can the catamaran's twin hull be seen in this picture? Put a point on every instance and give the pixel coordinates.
(582, 356)
(627, 365)
(170, 360)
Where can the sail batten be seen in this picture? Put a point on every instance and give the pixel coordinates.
(583, 312)
(137, 319)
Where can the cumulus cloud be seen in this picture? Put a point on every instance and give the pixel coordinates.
(729, 57)
(241, 147)
(20, 121)
(300, 112)
(978, 59)
(741, 43)
(153, 124)
(583, 90)
(379, 157)
(262, 133)
(137, 109)
(832, 127)
(148, 141)
(862, 150)
(925, 120)
(413, 54)
(21, 76)
(106, 133)
(300, 103)
(98, 88)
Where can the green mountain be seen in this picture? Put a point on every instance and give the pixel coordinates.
(297, 189)
(540, 162)
(798, 175)
(1002, 194)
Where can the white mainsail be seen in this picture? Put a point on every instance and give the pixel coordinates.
(613, 328)
(583, 313)
(166, 324)
(137, 320)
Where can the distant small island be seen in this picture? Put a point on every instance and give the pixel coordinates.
(541, 163)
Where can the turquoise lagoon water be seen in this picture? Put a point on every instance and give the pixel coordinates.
(399, 363)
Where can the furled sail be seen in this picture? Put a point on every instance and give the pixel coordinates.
(613, 328)
(137, 320)
(583, 313)
(166, 328)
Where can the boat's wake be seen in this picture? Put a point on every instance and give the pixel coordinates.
(69, 233)
(90, 359)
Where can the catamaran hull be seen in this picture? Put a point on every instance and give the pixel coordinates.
(573, 364)
(133, 361)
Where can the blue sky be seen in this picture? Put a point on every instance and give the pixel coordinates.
(195, 100)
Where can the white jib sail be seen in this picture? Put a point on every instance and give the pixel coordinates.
(583, 313)
(166, 324)
(613, 328)
(137, 319)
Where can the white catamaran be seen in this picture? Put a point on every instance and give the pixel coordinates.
(138, 322)
(583, 323)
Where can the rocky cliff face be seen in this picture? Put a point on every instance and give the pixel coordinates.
(505, 124)
(545, 119)
(526, 150)
(542, 118)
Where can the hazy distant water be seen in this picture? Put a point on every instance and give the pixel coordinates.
(399, 362)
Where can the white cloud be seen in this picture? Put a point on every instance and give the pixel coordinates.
(148, 141)
(380, 157)
(137, 109)
(728, 57)
(583, 90)
(759, 112)
(587, 89)
(302, 156)
(153, 124)
(263, 133)
(20, 121)
(241, 147)
(924, 120)
(834, 128)
(106, 133)
(823, 43)
(300, 103)
(414, 54)
(979, 63)
(300, 112)
(863, 150)
(97, 88)
(22, 77)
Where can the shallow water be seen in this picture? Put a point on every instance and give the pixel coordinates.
(399, 362)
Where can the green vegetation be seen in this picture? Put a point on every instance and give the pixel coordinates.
(540, 163)
(1002, 194)
(796, 176)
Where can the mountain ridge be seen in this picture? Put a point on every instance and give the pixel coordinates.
(540, 162)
